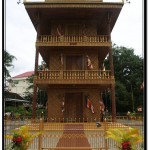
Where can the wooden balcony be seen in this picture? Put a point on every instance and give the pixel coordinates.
(52, 40)
(74, 77)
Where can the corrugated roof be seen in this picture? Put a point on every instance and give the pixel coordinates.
(16, 100)
(8, 94)
(26, 74)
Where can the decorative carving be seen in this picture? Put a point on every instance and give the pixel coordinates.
(52, 40)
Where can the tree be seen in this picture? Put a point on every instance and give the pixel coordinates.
(8, 59)
(41, 95)
(128, 72)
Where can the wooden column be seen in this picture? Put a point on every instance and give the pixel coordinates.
(111, 62)
(110, 48)
(35, 72)
(112, 72)
(35, 85)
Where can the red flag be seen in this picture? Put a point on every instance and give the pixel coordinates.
(90, 106)
(89, 64)
(102, 106)
(88, 103)
(92, 109)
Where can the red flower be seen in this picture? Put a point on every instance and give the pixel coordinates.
(19, 139)
(126, 145)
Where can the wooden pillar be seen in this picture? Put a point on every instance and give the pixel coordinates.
(35, 73)
(111, 62)
(112, 72)
(110, 48)
(35, 85)
(112, 86)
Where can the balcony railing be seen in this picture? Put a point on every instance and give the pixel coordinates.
(73, 75)
(50, 40)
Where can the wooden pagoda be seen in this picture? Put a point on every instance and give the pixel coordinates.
(74, 38)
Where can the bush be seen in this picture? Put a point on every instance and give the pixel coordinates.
(10, 109)
(20, 110)
(39, 112)
(16, 115)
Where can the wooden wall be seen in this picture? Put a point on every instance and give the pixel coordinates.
(55, 58)
(55, 97)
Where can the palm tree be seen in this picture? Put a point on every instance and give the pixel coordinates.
(8, 59)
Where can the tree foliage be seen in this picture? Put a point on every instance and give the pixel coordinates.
(8, 59)
(128, 72)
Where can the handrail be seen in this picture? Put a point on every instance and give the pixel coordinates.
(73, 38)
(74, 74)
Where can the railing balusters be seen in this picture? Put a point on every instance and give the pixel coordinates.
(73, 74)
(74, 38)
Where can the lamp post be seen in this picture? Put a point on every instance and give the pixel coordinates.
(131, 95)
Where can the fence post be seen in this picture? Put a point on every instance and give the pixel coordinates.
(105, 128)
(40, 135)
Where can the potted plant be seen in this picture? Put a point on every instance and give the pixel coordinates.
(127, 138)
(21, 138)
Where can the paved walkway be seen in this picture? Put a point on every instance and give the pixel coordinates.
(76, 139)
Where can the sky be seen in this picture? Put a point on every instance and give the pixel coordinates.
(20, 34)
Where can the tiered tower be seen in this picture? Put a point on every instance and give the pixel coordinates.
(74, 38)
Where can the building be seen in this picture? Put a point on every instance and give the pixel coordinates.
(13, 99)
(19, 84)
(74, 38)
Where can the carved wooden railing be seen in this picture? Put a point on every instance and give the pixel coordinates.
(73, 74)
(73, 40)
